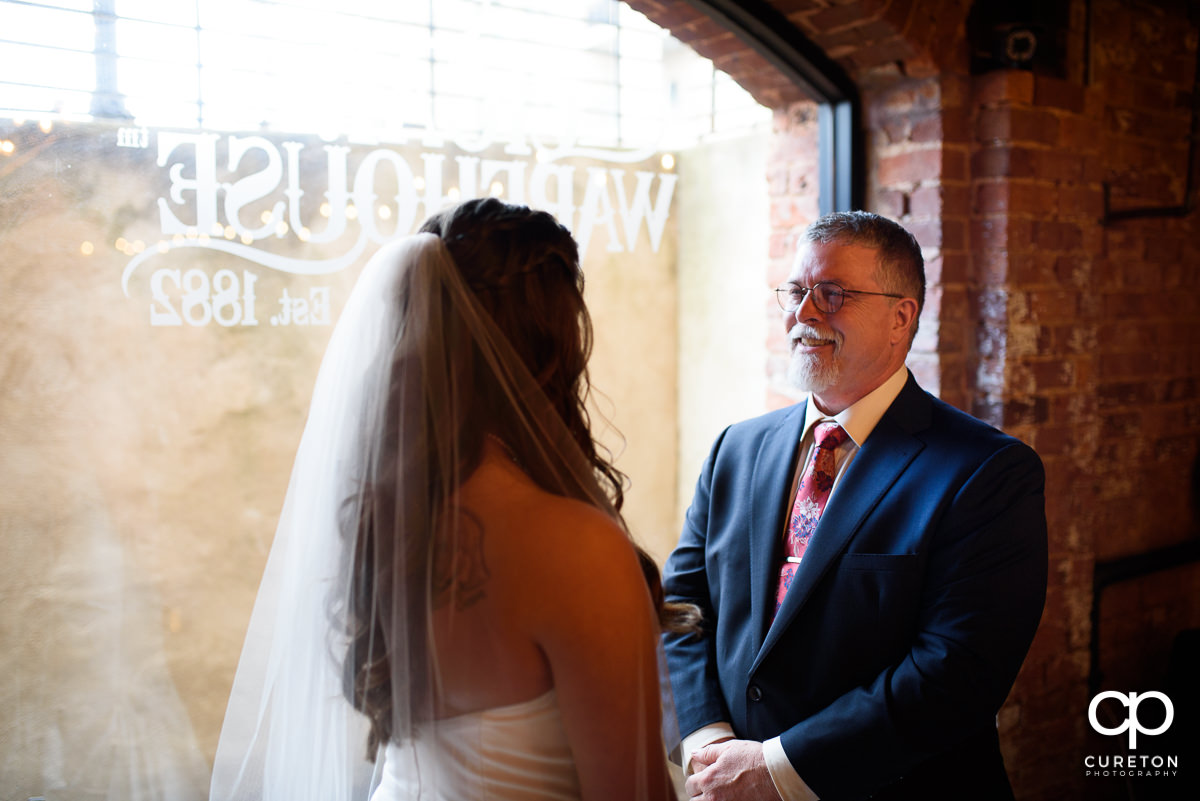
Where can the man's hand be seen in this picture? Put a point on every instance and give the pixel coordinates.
(731, 770)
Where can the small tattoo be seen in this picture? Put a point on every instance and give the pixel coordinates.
(460, 570)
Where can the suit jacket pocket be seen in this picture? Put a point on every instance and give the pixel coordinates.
(878, 595)
(879, 561)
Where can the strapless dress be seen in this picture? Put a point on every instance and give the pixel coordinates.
(510, 753)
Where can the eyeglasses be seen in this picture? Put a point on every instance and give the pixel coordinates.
(828, 297)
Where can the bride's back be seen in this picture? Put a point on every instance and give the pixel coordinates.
(517, 582)
(556, 601)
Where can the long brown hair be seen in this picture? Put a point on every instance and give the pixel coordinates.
(523, 269)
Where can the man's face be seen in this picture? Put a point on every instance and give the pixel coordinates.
(840, 357)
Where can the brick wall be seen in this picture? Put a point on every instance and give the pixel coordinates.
(1077, 334)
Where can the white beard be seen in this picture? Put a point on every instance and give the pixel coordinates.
(811, 373)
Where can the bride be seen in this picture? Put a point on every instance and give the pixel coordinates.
(452, 607)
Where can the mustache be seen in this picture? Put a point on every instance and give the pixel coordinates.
(804, 331)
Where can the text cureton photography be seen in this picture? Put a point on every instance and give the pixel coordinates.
(1122, 716)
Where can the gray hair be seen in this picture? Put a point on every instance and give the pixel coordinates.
(900, 267)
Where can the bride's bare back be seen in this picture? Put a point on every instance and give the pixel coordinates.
(550, 595)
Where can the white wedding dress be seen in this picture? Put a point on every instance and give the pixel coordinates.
(510, 753)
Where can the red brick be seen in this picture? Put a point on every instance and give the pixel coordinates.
(788, 212)
(1014, 197)
(1077, 134)
(780, 245)
(993, 125)
(1164, 248)
(1057, 93)
(927, 232)
(956, 199)
(989, 233)
(1004, 87)
(1073, 269)
(777, 179)
(1003, 161)
(926, 201)
(1054, 374)
(1054, 235)
(1053, 305)
(954, 267)
(956, 125)
(954, 233)
(927, 129)
(991, 267)
(1081, 201)
(910, 167)
(1032, 268)
(876, 53)
(722, 44)
(1029, 125)
(834, 17)
(891, 203)
(1058, 165)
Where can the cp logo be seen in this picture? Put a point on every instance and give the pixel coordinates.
(1131, 723)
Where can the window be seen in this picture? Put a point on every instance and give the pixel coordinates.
(596, 73)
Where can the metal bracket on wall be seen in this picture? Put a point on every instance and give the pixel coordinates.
(1111, 571)
(1185, 208)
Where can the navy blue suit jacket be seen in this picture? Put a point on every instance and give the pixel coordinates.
(907, 621)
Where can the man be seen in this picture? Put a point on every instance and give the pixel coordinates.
(858, 642)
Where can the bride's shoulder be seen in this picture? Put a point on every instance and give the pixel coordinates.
(555, 536)
(535, 532)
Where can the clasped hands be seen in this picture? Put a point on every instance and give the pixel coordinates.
(730, 770)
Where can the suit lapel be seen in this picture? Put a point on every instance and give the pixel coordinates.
(889, 450)
(770, 483)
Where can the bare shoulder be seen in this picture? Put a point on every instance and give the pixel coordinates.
(565, 534)
(568, 551)
(543, 548)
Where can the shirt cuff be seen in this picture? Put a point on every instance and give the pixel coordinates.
(706, 735)
(787, 781)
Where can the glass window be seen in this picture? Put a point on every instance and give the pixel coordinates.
(187, 193)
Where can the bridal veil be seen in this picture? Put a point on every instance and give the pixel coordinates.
(382, 450)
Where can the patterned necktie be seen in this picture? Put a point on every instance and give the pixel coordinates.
(811, 495)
